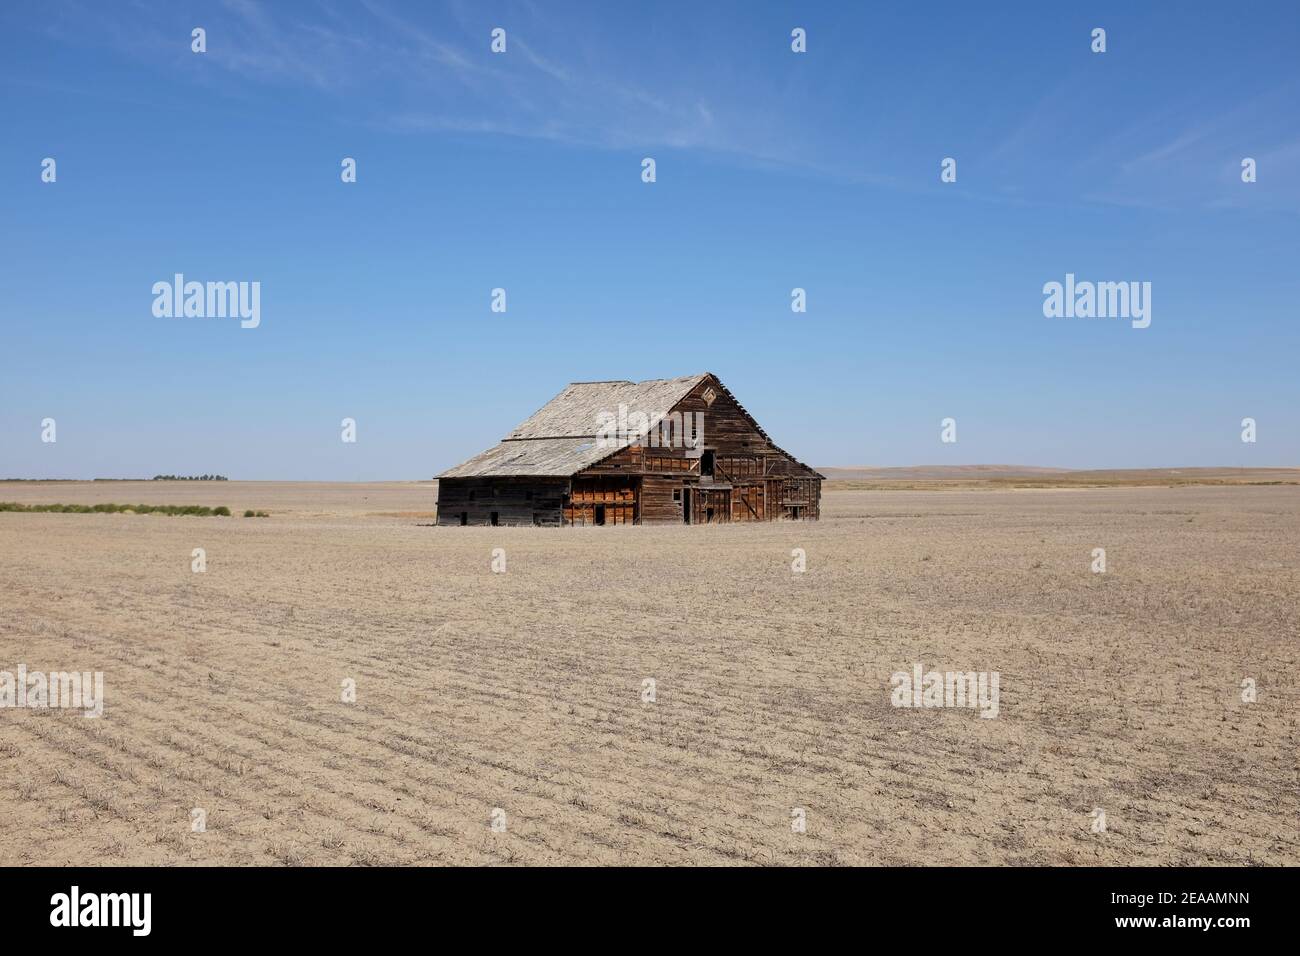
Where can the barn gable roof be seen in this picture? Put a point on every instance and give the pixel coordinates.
(532, 458)
(559, 440)
(574, 413)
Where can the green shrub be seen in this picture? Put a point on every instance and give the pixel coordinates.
(197, 510)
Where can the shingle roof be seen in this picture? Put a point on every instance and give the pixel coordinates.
(559, 440)
(532, 457)
(575, 412)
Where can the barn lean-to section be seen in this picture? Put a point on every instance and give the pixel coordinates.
(559, 468)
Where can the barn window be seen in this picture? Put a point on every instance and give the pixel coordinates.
(528, 496)
(471, 496)
(677, 495)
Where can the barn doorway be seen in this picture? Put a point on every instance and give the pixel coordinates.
(496, 518)
(686, 506)
(600, 514)
(706, 464)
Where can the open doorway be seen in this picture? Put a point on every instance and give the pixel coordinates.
(706, 463)
(600, 514)
(686, 506)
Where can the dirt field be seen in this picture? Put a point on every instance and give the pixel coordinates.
(522, 691)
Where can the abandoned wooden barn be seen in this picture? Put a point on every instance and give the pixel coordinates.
(677, 450)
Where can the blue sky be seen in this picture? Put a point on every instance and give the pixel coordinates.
(522, 170)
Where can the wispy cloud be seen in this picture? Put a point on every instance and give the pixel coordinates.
(427, 69)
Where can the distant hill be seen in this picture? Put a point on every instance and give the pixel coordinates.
(937, 472)
(1032, 476)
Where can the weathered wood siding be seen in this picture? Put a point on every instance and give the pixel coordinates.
(602, 500)
(711, 506)
(801, 498)
(515, 501)
(749, 502)
(657, 504)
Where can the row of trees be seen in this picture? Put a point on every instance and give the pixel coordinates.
(190, 478)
